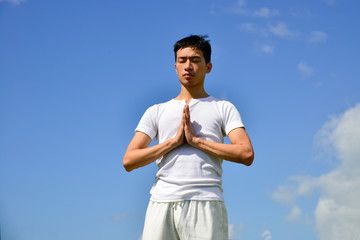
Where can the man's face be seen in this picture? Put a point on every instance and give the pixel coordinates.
(191, 67)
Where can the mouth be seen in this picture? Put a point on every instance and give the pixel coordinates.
(188, 75)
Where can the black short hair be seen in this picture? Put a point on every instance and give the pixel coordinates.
(196, 41)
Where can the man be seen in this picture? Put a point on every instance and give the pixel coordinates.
(186, 198)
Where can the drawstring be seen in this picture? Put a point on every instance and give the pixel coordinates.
(177, 204)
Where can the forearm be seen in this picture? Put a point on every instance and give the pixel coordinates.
(239, 153)
(136, 158)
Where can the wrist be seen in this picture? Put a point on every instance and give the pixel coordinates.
(175, 142)
(195, 141)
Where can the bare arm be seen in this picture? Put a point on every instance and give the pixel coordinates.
(240, 150)
(138, 154)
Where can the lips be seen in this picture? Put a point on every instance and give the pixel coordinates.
(188, 75)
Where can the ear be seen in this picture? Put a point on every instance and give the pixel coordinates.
(176, 69)
(208, 67)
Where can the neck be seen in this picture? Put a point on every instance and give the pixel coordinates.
(189, 93)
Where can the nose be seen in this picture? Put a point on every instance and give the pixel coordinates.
(188, 65)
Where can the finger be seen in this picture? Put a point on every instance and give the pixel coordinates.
(187, 113)
(184, 109)
(187, 118)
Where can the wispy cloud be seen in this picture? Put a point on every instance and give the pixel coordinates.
(248, 27)
(266, 12)
(266, 235)
(238, 8)
(241, 3)
(295, 214)
(253, 28)
(15, 2)
(281, 29)
(235, 231)
(231, 231)
(301, 12)
(331, 2)
(264, 48)
(284, 194)
(317, 36)
(119, 217)
(267, 48)
(305, 70)
(337, 214)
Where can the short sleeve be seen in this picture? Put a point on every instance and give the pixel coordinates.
(231, 117)
(147, 122)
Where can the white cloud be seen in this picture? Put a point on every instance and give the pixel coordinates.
(266, 12)
(253, 28)
(119, 218)
(248, 27)
(266, 235)
(284, 194)
(338, 210)
(295, 214)
(287, 194)
(317, 36)
(301, 12)
(337, 214)
(15, 2)
(305, 70)
(231, 231)
(264, 48)
(267, 48)
(234, 231)
(238, 8)
(241, 3)
(331, 2)
(280, 30)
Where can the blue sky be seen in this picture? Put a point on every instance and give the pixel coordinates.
(76, 76)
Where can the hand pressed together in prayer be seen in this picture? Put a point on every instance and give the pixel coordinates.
(185, 131)
(188, 129)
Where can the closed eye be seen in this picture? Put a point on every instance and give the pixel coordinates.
(192, 59)
(195, 59)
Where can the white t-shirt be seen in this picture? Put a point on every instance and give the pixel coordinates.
(186, 172)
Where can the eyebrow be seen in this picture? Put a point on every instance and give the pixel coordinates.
(191, 58)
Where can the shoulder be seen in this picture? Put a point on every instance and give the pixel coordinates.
(159, 105)
(155, 108)
(221, 103)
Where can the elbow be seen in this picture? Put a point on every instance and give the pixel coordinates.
(247, 157)
(127, 165)
(128, 169)
(249, 160)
